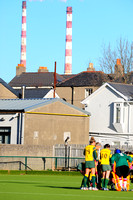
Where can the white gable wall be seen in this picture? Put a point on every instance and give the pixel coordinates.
(131, 119)
(103, 123)
(101, 107)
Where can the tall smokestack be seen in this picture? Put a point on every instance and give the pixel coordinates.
(23, 35)
(68, 51)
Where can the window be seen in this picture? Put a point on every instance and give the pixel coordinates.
(5, 133)
(118, 113)
(88, 91)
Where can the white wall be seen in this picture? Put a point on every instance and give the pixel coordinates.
(131, 119)
(10, 122)
(101, 108)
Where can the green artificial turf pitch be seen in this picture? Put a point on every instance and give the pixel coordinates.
(52, 187)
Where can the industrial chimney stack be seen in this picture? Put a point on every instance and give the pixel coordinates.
(22, 66)
(68, 50)
(23, 35)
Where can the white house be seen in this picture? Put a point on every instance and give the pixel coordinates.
(111, 108)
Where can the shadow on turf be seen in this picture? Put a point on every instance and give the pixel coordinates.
(1, 181)
(72, 188)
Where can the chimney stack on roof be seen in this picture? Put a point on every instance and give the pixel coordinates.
(20, 69)
(90, 68)
(118, 61)
(119, 70)
(43, 69)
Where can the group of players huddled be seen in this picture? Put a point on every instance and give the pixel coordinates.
(110, 169)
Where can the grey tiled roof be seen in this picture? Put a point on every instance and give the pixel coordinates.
(9, 88)
(34, 92)
(67, 76)
(87, 78)
(36, 79)
(125, 89)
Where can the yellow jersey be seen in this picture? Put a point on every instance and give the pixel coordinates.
(89, 153)
(105, 155)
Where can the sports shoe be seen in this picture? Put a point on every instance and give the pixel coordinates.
(90, 188)
(95, 189)
(106, 189)
(85, 188)
(125, 189)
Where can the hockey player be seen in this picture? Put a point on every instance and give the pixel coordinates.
(105, 155)
(122, 167)
(90, 158)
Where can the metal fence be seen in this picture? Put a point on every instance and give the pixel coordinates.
(66, 157)
(38, 163)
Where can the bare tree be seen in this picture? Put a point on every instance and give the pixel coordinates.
(123, 51)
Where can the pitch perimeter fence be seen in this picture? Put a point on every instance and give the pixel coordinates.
(65, 157)
(38, 163)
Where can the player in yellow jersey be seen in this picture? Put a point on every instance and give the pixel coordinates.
(105, 155)
(90, 157)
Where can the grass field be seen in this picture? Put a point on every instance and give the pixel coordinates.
(52, 187)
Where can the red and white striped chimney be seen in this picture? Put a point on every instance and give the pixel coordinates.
(68, 50)
(23, 35)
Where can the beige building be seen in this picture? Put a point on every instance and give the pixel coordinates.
(7, 92)
(44, 122)
(75, 89)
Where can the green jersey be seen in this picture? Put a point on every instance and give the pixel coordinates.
(120, 159)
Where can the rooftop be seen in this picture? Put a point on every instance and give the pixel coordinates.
(36, 79)
(125, 89)
(86, 78)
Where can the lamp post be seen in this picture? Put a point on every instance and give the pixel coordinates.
(66, 144)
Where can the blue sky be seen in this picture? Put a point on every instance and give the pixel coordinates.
(94, 23)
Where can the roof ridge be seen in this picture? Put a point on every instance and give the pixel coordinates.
(127, 84)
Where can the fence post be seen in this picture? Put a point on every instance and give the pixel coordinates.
(56, 162)
(20, 165)
(25, 163)
(68, 157)
(65, 157)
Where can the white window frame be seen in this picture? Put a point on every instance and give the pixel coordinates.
(118, 112)
(88, 92)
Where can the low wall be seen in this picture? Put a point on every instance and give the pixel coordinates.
(18, 163)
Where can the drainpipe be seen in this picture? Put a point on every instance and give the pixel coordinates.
(128, 117)
(72, 95)
(23, 91)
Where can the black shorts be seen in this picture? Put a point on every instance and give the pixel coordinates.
(122, 171)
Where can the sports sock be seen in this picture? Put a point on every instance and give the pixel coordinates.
(125, 183)
(106, 182)
(82, 184)
(121, 182)
(85, 179)
(93, 181)
(102, 180)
